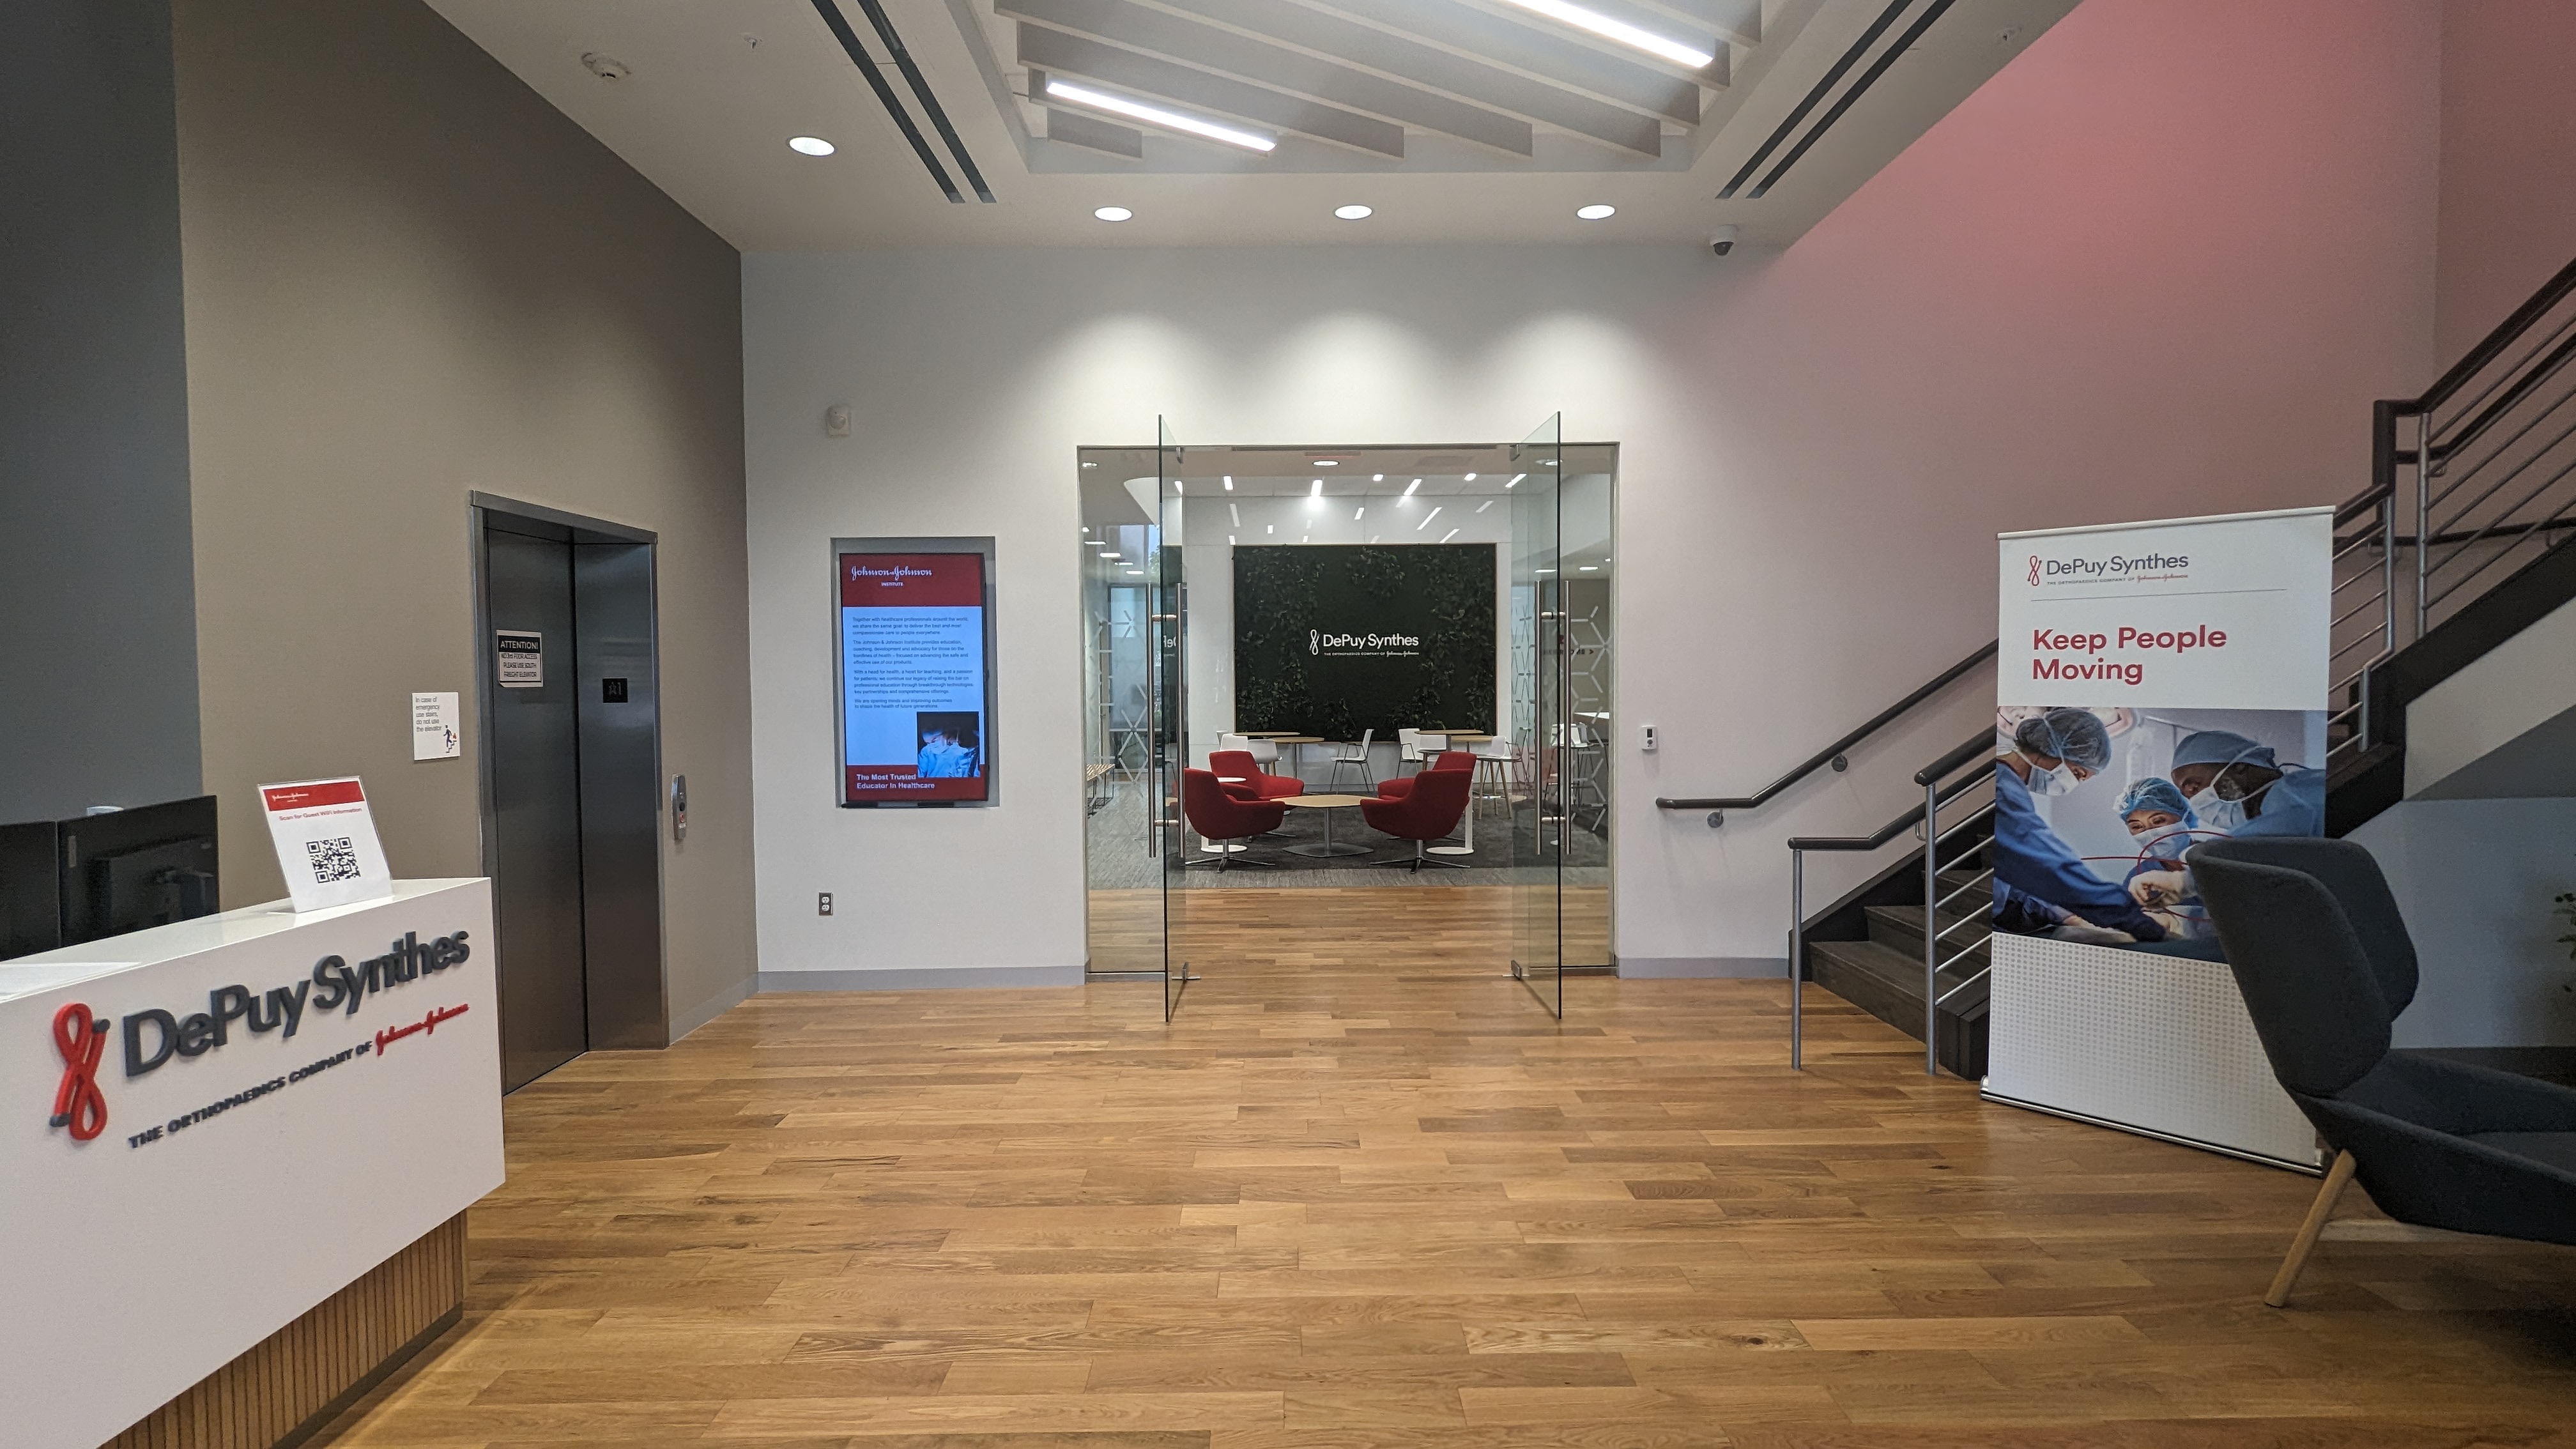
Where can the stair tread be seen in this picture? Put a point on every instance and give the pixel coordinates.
(1895, 969)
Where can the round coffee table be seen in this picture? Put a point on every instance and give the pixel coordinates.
(1327, 804)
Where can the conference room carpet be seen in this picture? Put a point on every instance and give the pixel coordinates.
(1370, 1193)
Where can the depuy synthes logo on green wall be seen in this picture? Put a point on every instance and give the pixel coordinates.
(1335, 639)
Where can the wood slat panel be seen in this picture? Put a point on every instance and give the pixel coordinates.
(291, 1383)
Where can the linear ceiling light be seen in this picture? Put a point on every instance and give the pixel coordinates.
(1157, 116)
(1426, 520)
(1229, 482)
(1317, 491)
(1453, 533)
(1618, 30)
(1516, 477)
(1409, 487)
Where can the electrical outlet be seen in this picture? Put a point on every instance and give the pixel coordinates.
(823, 903)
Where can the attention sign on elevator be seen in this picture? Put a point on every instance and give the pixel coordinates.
(519, 658)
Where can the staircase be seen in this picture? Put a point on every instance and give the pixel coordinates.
(1882, 972)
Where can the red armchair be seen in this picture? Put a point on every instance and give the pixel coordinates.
(1397, 789)
(1428, 811)
(1256, 786)
(1222, 817)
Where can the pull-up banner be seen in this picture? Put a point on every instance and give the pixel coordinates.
(916, 678)
(2159, 685)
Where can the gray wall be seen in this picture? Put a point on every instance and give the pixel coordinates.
(410, 278)
(98, 659)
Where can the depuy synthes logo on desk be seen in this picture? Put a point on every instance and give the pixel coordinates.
(153, 1036)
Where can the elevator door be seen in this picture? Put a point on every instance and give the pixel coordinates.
(536, 809)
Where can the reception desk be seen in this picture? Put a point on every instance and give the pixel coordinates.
(235, 1164)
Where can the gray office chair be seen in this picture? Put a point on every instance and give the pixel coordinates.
(1359, 757)
(2324, 962)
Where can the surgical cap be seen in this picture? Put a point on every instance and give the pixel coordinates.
(2155, 793)
(2076, 736)
(2222, 747)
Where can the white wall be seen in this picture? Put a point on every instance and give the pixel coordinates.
(2135, 276)
(2475, 879)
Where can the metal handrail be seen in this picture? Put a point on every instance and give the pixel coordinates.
(1834, 752)
(1898, 826)
(1935, 795)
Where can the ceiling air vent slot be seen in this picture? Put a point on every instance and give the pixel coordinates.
(830, 10)
(1825, 88)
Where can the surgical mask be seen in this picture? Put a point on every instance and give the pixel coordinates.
(2060, 781)
(2223, 816)
(2217, 811)
(2146, 834)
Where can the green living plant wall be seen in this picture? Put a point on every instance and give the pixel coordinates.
(1334, 639)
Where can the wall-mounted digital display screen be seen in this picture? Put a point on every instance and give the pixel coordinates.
(915, 677)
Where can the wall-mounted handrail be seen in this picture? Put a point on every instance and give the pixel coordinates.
(1834, 751)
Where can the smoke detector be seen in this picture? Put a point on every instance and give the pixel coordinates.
(606, 67)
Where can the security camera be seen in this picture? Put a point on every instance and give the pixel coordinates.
(1722, 240)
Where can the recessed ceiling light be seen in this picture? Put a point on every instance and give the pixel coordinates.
(1317, 491)
(1409, 487)
(1377, 477)
(1111, 213)
(809, 145)
(1352, 213)
(1091, 465)
(1328, 462)
(1471, 477)
(1588, 569)
(1596, 212)
(1229, 538)
(1359, 513)
(1109, 556)
(1158, 116)
(1234, 513)
(1619, 30)
(1135, 573)
(1229, 482)
(1180, 485)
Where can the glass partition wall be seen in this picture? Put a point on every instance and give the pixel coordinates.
(1342, 617)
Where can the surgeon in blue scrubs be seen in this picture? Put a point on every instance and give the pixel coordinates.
(2236, 786)
(2053, 752)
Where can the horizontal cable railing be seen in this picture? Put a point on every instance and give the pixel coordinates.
(1943, 781)
(1832, 754)
(2469, 481)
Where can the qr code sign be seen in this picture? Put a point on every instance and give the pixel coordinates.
(333, 860)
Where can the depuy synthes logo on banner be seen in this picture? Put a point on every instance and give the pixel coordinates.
(153, 1036)
(2104, 568)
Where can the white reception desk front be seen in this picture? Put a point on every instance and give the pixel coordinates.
(268, 1106)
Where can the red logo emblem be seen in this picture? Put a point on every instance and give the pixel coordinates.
(78, 1104)
(2034, 571)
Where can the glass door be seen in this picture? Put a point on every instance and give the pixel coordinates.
(1538, 719)
(1170, 696)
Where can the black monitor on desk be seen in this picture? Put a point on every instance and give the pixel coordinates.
(31, 907)
(123, 870)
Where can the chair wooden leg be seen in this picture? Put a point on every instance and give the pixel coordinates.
(2338, 1177)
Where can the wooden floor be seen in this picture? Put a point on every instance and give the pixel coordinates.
(1365, 1192)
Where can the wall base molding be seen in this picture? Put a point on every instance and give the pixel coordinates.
(714, 1006)
(1650, 968)
(920, 978)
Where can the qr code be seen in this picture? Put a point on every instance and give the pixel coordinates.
(333, 860)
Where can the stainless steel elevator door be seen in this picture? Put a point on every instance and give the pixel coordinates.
(536, 811)
(621, 817)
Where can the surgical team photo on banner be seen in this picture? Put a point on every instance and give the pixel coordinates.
(2159, 686)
